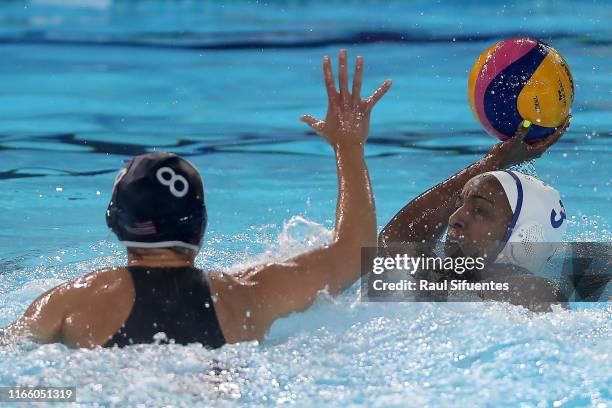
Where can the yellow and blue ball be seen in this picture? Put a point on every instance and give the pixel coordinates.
(517, 79)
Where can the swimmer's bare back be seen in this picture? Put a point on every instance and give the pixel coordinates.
(87, 311)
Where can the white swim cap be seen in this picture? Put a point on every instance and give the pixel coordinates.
(538, 221)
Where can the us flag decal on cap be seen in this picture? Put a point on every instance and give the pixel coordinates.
(141, 228)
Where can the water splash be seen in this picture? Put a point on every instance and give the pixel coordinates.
(527, 167)
(340, 352)
(298, 235)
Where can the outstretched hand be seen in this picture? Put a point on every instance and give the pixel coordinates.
(515, 150)
(348, 116)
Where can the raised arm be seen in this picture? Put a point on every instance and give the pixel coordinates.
(425, 218)
(265, 293)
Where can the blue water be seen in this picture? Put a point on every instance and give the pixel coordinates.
(87, 84)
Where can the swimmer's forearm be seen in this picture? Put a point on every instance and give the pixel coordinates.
(355, 221)
(355, 212)
(426, 217)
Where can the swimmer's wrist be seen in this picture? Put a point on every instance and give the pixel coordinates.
(348, 146)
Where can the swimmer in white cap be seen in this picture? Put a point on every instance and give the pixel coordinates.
(157, 211)
(512, 220)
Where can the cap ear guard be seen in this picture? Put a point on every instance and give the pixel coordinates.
(538, 221)
(527, 248)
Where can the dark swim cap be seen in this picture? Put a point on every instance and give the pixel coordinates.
(158, 202)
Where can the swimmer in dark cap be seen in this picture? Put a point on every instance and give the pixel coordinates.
(493, 213)
(157, 210)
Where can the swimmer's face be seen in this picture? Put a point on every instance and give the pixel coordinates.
(482, 217)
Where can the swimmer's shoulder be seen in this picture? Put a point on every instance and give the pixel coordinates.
(85, 284)
(100, 280)
(99, 298)
(97, 304)
(536, 293)
(538, 287)
(97, 289)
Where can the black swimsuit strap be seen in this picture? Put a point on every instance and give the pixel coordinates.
(173, 301)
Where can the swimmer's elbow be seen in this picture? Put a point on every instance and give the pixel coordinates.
(343, 267)
(346, 254)
(356, 239)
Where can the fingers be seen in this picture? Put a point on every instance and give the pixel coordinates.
(561, 129)
(552, 139)
(567, 121)
(357, 80)
(379, 93)
(343, 74)
(329, 79)
(522, 130)
(312, 122)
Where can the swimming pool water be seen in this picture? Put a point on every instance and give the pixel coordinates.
(88, 84)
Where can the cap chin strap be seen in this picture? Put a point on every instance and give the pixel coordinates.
(162, 244)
